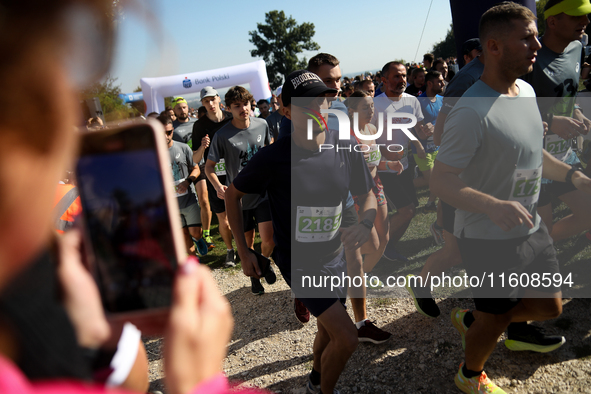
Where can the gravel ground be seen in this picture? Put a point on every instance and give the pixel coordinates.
(270, 348)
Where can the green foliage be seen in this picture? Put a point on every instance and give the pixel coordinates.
(279, 41)
(447, 47)
(108, 94)
(138, 89)
(541, 20)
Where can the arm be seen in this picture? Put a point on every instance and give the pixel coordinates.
(438, 131)
(355, 236)
(184, 185)
(446, 183)
(578, 115)
(556, 170)
(420, 150)
(198, 154)
(213, 178)
(250, 266)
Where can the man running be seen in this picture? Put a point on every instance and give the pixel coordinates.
(236, 143)
(497, 226)
(203, 131)
(306, 205)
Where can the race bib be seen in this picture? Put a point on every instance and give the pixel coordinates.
(318, 224)
(220, 167)
(176, 188)
(375, 156)
(558, 147)
(526, 186)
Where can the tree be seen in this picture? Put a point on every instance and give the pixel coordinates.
(108, 94)
(447, 47)
(279, 41)
(540, 4)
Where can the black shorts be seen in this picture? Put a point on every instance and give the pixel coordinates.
(449, 216)
(399, 188)
(260, 214)
(553, 190)
(202, 175)
(316, 299)
(350, 217)
(522, 257)
(217, 205)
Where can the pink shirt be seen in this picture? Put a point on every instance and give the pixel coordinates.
(13, 381)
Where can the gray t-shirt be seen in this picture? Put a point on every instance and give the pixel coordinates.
(555, 78)
(461, 82)
(181, 163)
(497, 140)
(236, 147)
(183, 132)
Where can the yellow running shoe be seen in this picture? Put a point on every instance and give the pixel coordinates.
(476, 385)
(457, 319)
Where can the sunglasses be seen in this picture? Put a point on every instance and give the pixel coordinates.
(169, 132)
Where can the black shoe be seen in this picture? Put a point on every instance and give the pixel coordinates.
(256, 286)
(423, 300)
(529, 337)
(270, 276)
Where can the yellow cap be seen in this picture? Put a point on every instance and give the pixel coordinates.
(569, 7)
(178, 100)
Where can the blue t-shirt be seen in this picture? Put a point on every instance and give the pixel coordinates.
(430, 111)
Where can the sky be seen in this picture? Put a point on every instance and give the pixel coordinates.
(159, 38)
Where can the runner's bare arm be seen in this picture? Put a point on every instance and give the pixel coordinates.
(355, 236)
(556, 170)
(446, 183)
(438, 131)
(198, 154)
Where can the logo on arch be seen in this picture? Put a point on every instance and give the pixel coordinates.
(187, 83)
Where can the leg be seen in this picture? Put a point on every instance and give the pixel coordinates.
(381, 225)
(357, 294)
(224, 229)
(249, 235)
(446, 257)
(201, 189)
(266, 233)
(482, 337)
(578, 221)
(331, 356)
(545, 213)
(400, 221)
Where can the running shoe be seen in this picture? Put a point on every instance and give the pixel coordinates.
(373, 284)
(201, 246)
(437, 234)
(312, 388)
(430, 207)
(457, 319)
(256, 286)
(476, 385)
(302, 313)
(533, 338)
(422, 298)
(392, 254)
(370, 333)
(270, 276)
(230, 259)
(209, 242)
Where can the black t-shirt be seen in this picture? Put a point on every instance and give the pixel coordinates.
(206, 126)
(414, 91)
(306, 192)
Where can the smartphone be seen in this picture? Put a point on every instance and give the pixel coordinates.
(130, 217)
(263, 262)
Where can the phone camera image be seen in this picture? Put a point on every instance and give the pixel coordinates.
(128, 224)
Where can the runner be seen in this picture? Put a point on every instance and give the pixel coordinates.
(204, 130)
(185, 172)
(556, 74)
(292, 164)
(398, 177)
(237, 142)
(497, 225)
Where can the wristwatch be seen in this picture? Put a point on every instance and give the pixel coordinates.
(191, 179)
(569, 175)
(367, 223)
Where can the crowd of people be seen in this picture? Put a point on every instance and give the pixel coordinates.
(324, 205)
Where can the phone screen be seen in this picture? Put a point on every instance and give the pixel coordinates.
(128, 224)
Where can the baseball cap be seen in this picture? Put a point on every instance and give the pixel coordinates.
(303, 83)
(208, 91)
(278, 91)
(178, 100)
(470, 45)
(569, 7)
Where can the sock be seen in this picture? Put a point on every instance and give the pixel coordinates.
(229, 250)
(206, 233)
(469, 373)
(315, 377)
(438, 227)
(360, 324)
(468, 319)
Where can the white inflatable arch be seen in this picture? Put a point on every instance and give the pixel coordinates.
(255, 74)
